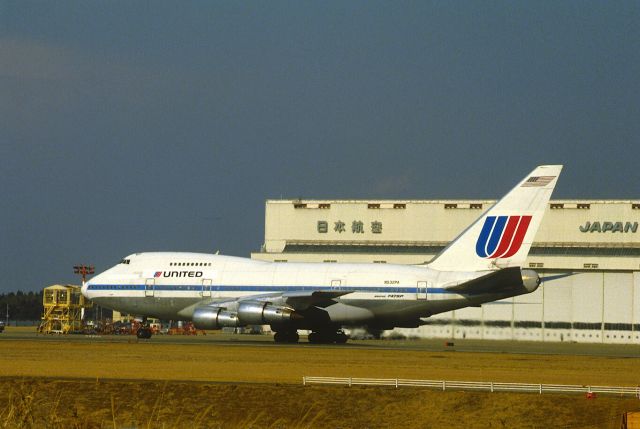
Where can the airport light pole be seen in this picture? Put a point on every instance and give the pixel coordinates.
(83, 270)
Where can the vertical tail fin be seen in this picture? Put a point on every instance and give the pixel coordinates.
(503, 235)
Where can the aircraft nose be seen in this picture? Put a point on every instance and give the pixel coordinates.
(84, 288)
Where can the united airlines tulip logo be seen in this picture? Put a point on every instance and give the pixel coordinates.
(502, 236)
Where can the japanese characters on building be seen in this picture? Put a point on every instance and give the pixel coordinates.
(357, 227)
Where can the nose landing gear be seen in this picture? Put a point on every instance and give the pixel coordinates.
(144, 331)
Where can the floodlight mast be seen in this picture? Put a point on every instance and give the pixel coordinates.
(83, 270)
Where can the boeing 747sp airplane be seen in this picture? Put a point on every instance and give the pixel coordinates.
(482, 264)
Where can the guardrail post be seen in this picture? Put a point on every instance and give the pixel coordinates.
(541, 389)
(349, 381)
(444, 385)
(396, 383)
(492, 387)
(304, 381)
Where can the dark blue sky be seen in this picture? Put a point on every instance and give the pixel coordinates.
(138, 126)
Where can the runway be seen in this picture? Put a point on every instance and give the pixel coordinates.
(219, 339)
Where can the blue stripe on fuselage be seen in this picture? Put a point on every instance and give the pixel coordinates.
(243, 288)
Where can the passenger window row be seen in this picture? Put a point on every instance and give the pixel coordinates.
(190, 264)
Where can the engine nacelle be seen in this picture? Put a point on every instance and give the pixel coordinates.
(213, 318)
(261, 313)
(248, 313)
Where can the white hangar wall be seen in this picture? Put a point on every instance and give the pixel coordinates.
(584, 307)
(597, 242)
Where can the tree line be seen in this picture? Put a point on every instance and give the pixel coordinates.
(22, 305)
(27, 306)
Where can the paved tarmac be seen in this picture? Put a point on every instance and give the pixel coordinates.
(219, 339)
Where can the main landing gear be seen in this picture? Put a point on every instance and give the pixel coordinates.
(286, 337)
(316, 337)
(328, 337)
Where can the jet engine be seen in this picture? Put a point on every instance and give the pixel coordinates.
(213, 318)
(261, 313)
(248, 313)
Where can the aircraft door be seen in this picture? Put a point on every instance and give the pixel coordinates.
(206, 288)
(149, 286)
(421, 291)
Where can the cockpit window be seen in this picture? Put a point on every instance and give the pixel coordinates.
(125, 261)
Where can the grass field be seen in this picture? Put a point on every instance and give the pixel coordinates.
(159, 384)
(42, 403)
(255, 363)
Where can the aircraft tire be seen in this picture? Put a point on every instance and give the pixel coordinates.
(328, 337)
(341, 338)
(286, 337)
(320, 338)
(143, 333)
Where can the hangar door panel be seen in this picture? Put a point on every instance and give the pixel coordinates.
(497, 319)
(618, 298)
(587, 307)
(527, 316)
(498, 313)
(618, 307)
(468, 323)
(636, 307)
(528, 307)
(557, 302)
(587, 298)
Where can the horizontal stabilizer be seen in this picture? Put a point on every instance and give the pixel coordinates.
(494, 282)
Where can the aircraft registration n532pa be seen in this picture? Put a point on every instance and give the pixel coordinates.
(482, 264)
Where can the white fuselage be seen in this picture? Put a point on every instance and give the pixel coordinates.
(170, 285)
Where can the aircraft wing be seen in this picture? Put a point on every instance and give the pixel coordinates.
(301, 300)
(297, 300)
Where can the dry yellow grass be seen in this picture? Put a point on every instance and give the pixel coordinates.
(36, 403)
(249, 363)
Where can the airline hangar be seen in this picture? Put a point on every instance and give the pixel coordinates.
(588, 251)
